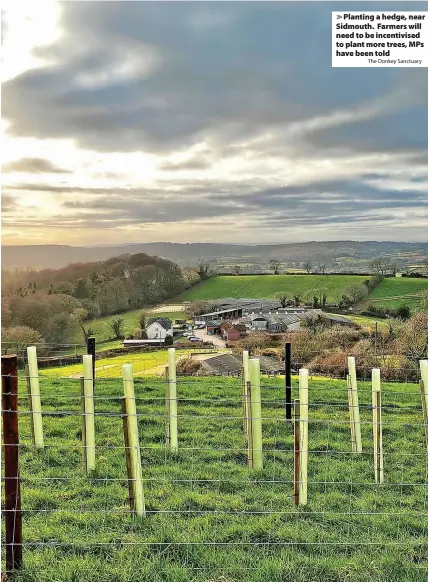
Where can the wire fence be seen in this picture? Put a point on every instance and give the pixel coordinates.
(217, 483)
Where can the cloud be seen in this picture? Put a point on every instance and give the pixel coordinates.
(238, 113)
(33, 166)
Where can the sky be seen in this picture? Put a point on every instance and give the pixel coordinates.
(204, 122)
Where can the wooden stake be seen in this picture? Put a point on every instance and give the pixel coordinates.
(296, 451)
(249, 426)
(351, 415)
(355, 404)
(287, 362)
(34, 399)
(424, 395)
(304, 441)
(131, 483)
(172, 379)
(132, 443)
(256, 413)
(377, 426)
(89, 416)
(12, 478)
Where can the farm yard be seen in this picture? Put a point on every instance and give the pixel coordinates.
(209, 517)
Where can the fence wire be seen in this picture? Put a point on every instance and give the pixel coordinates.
(209, 517)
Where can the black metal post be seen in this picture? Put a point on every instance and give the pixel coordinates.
(91, 352)
(288, 381)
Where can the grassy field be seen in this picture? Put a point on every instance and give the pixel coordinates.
(393, 292)
(103, 330)
(209, 517)
(267, 286)
(144, 363)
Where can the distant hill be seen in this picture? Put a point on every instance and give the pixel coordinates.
(56, 256)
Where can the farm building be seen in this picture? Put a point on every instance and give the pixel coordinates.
(231, 365)
(159, 328)
(232, 332)
(232, 313)
(213, 327)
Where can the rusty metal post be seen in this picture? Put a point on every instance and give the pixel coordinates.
(12, 484)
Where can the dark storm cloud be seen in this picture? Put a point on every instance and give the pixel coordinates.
(33, 166)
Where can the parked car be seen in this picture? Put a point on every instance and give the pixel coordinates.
(187, 334)
(194, 339)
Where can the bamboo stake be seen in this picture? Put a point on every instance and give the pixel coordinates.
(377, 426)
(249, 425)
(424, 395)
(304, 441)
(167, 411)
(256, 413)
(355, 405)
(296, 451)
(351, 414)
(172, 380)
(34, 399)
(82, 408)
(245, 380)
(133, 441)
(89, 415)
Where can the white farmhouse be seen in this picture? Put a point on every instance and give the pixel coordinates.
(159, 328)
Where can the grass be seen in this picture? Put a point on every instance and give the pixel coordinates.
(268, 286)
(210, 518)
(104, 332)
(143, 363)
(395, 291)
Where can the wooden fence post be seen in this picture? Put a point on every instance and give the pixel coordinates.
(288, 381)
(89, 416)
(424, 395)
(172, 380)
(12, 479)
(377, 426)
(296, 451)
(256, 413)
(132, 443)
(351, 415)
(355, 404)
(304, 441)
(34, 397)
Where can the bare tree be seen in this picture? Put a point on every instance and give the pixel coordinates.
(274, 265)
(381, 265)
(307, 266)
(237, 269)
(322, 269)
(203, 270)
(283, 299)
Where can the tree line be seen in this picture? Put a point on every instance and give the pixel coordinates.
(51, 305)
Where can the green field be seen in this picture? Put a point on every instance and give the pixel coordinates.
(267, 286)
(395, 291)
(209, 517)
(104, 332)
